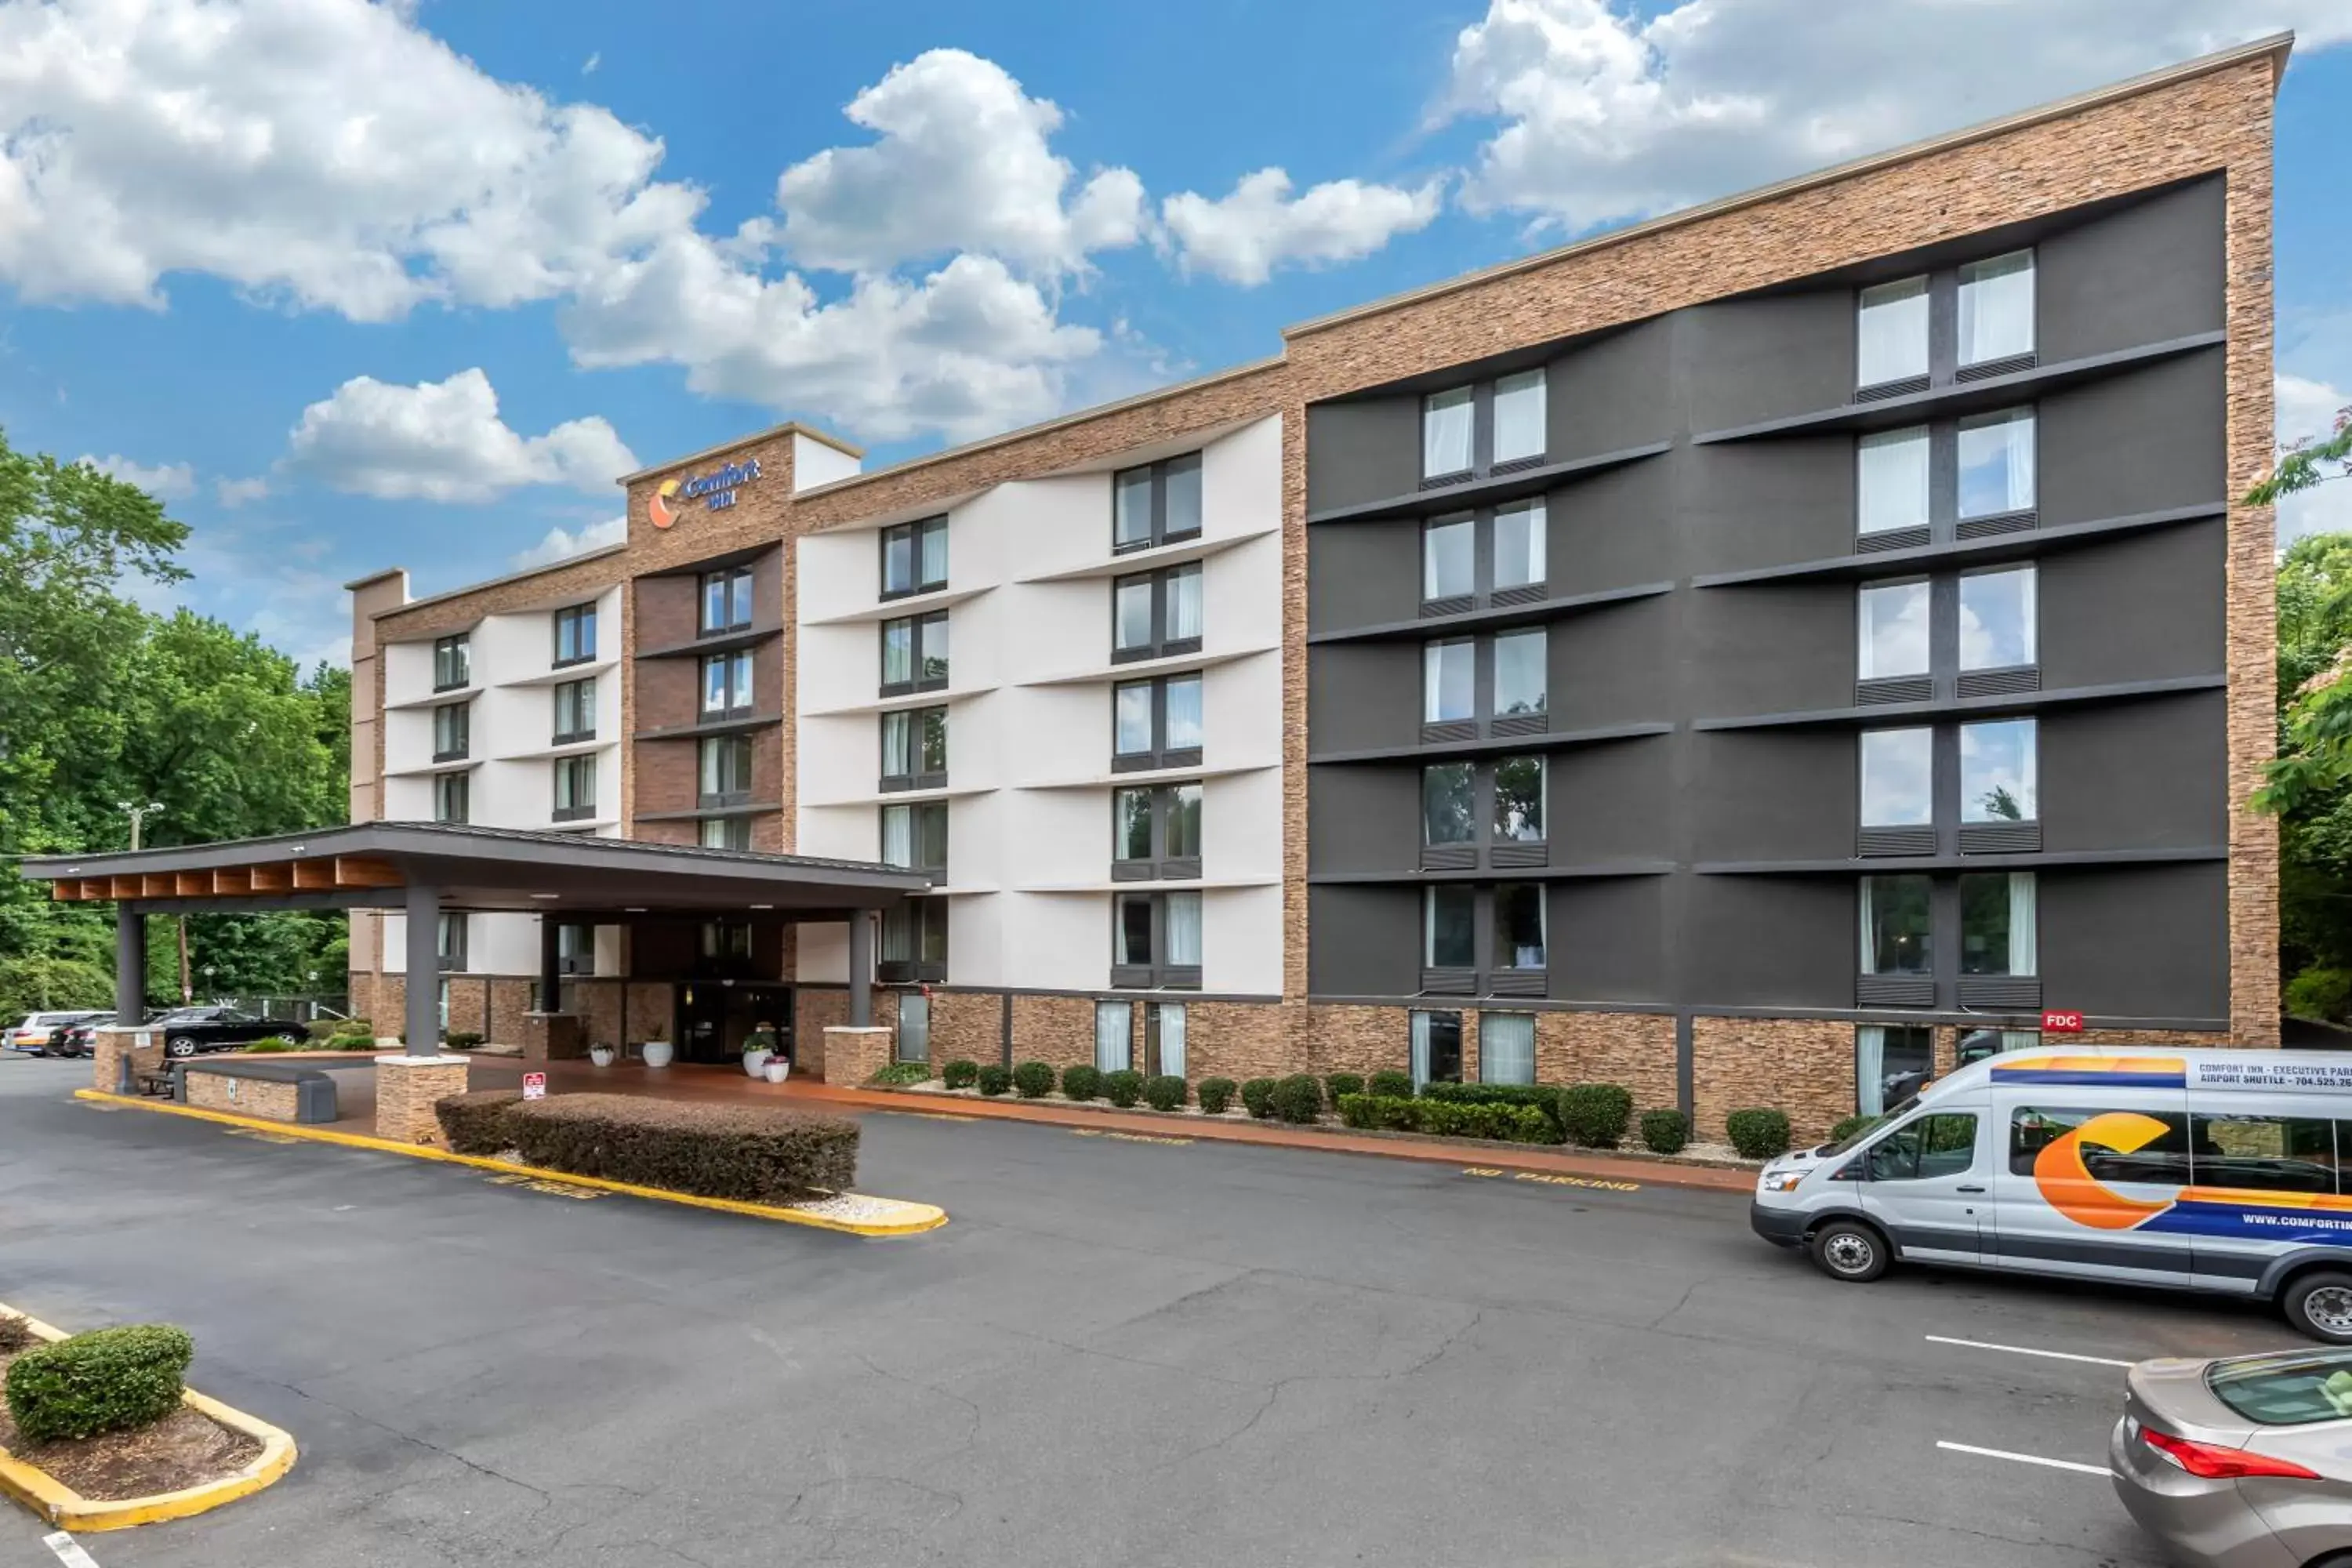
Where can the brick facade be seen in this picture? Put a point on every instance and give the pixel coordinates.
(405, 1091)
(246, 1097)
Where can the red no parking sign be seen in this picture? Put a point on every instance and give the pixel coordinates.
(534, 1086)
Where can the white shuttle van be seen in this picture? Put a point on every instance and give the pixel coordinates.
(2205, 1170)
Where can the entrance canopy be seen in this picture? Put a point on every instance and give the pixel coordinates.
(421, 868)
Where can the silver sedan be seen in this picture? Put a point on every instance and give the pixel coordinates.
(2244, 1462)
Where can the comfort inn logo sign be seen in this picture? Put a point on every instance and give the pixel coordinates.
(716, 490)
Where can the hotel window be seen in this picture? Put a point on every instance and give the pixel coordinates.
(915, 654)
(1891, 335)
(1483, 429)
(575, 635)
(450, 937)
(1997, 309)
(1998, 618)
(1449, 558)
(575, 788)
(725, 941)
(914, 945)
(1518, 417)
(1891, 483)
(575, 713)
(1898, 774)
(1449, 805)
(453, 662)
(726, 684)
(1448, 421)
(1507, 1048)
(1976, 1044)
(1114, 1036)
(1156, 940)
(452, 732)
(1891, 1063)
(1892, 621)
(1896, 925)
(1996, 463)
(725, 833)
(1156, 614)
(1449, 927)
(724, 769)
(915, 558)
(1519, 800)
(575, 950)
(1436, 1048)
(1156, 833)
(914, 1038)
(1164, 1031)
(1500, 681)
(1158, 503)
(1998, 766)
(1519, 925)
(1495, 556)
(915, 749)
(915, 836)
(1512, 789)
(1156, 723)
(1998, 924)
(726, 600)
(452, 793)
(1449, 682)
(1521, 677)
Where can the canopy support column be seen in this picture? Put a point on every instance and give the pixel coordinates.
(861, 968)
(551, 964)
(422, 982)
(130, 986)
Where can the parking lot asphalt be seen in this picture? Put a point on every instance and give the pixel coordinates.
(1154, 1352)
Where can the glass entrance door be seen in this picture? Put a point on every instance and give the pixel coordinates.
(715, 1018)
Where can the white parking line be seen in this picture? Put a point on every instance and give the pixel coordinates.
(68, 1551)
(2023, 1458)
(2025, 1349)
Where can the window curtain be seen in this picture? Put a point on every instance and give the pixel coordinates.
(897, 837)
(2020, 1039)
(935, 555)
(1869, 948)
(1183, 939)
(1997, 309)
(1445, 432)
(2021, 461)
(1870, 1068)
(1114, 1035)
(1507, 1048)
(1184, 605)
(1420, 1051)
(2021, 935)
(1171, 1038)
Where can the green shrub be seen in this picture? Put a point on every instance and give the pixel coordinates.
(1257, 1097)
(109, 1380)
(276, 1043)
(1594, 1114)
(1084, 1081)
(1664, 1132)
(354, 1027)
(753, 1153)
(1758, 1134)
(1543, 1098)
(1034, 1080)
(1390, 1084)
(960, 1074)
(1448, 1118)
(1165, 1092)
(2320, 994)
(476, 1123)
(994, 1079)
(1298, 1099)
(1123, 1087)
(16, 1333)
(897, 1075)
(461, 1039)
(350, 1042)
(1342, 1083)
(1849, 1127)
(1216, 1093)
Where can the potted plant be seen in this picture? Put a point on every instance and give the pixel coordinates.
(757, 1049)
(602, 1055)
(656, 1050)
(777, 1069)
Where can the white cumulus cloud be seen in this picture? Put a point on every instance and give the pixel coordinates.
(2307, 409)
(561, 543)
(1604, 115)
(234, 493)
(164, 481)
(445, 441)
(1243, 237)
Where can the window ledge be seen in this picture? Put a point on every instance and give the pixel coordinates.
(435, 699)
(1543, 741)
(2004, 702)
(563, 674)
(729, 724)
(933, 698)
(1495, 488)
(1150, 776)
(2030, 860)
(2021, 546)
(1137, 561)
(1490, 615)
(898, 608)
(424, 770)
(1142, 668)
(717, 642)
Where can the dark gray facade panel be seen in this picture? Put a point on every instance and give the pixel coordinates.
(1613, 392)
(1772, 794)
(1770, 649)
(1366, 449)
(2141, 775)
(1630, 642)
(1607, 941)
(1364, 574)
(1367, 817)
(2140, 607)
(1612, 802)
(2148, 941)
(2148, 440)
(1363, 697)
(2147, 272)
(1771, 942)
(1741, 362)
(1367, 940)
(1615, 529)
(1744, 505)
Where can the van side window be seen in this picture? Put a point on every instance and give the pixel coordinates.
(2266, 1154)
(1942, 1145)
(2162, 1161)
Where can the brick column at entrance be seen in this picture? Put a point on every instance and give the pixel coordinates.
(852, 1055)
(109, 1046)
(406, 1090)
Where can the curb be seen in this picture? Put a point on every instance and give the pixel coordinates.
(66, 1508)
(921, 1216)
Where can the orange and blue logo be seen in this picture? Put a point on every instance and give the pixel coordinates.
(716, 490)
(659, 508)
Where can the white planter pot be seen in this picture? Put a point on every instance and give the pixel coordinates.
(777, 1070)
(602, 1056)
(754, 1060)
(656, 1053)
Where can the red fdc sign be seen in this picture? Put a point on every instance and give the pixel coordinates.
(534, 1085)
(2062, 1023)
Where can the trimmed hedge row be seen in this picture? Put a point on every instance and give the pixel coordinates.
(109, 1380)
(1447, 1119)
(753, 1153)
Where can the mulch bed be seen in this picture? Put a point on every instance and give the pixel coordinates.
(186, 1448)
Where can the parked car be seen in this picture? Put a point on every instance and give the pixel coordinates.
(187, 1031)
(76, 1039)
(2244, 1462)
(31, 1033)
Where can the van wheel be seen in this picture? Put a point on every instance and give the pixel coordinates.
(2320, 1304)
(1851, 1250)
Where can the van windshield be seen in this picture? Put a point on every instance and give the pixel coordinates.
(1892, 1113)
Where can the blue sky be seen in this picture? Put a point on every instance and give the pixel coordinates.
(357, 285)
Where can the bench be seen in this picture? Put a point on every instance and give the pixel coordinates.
(274, 1091)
